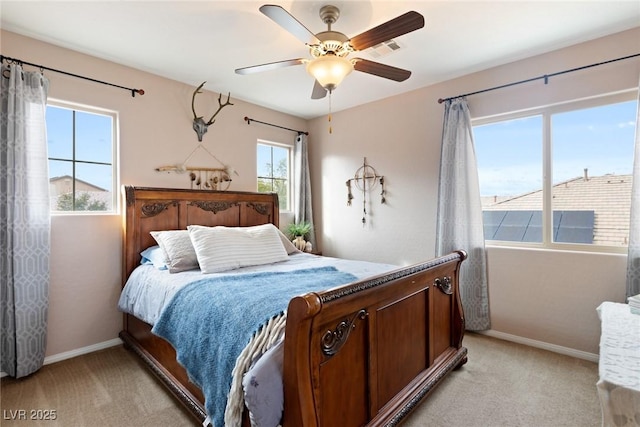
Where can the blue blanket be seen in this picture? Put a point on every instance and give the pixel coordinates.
(210, 321)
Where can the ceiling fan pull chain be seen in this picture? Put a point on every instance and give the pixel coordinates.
(330, 127)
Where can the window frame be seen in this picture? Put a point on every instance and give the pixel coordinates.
(289, 179)
(547, 112)
(115, 150)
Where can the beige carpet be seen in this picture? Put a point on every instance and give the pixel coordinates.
(503, 384)
(511, 385)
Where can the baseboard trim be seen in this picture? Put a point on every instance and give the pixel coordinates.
(77, 352)
(80, 351)
(542, 345)
(491, 333)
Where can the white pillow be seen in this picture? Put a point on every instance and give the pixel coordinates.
(227, 248)
(288, 246)
(179, 251)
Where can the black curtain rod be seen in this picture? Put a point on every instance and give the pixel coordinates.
(545, 77)
(42, 67)
(248, 120)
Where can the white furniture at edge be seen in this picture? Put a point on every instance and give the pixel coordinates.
(619, 365)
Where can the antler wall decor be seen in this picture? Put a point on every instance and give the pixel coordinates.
(199, 125)
(365, 179)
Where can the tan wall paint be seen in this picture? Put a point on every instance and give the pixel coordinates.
(551, 296)
(547, 296)
(155, 130)
(400, 136)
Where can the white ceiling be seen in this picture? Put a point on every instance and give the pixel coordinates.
(194, 41)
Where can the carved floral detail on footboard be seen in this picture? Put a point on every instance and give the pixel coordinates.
(155, 208)
(332, 341)
(214, 207)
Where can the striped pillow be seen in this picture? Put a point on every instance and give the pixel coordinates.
(227, 248)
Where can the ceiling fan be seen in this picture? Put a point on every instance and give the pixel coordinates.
(329, 63)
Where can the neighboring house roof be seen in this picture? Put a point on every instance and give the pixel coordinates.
(87, 186)
(608, 196)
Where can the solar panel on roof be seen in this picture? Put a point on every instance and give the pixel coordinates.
(575, 227)
(534, 230)
(526, 226)
(491, 221)
(514, 225)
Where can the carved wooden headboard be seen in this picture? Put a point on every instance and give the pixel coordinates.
(152, 209)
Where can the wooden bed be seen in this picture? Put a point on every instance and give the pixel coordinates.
(365, 353)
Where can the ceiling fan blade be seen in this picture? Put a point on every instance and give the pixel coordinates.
(381, 70)
(269, 66)
(318, 91)
(403, 24)
(289, 23)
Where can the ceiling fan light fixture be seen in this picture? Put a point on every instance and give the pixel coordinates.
(329, 70)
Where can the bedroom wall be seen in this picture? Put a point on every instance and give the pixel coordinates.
(540, 297)
(155, 130)
(534, 296)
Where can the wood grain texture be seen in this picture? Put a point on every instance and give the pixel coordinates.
(396, 27)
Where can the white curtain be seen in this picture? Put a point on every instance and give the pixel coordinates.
(302, 210)
(633, 259)
(459, 221)
(24, 215)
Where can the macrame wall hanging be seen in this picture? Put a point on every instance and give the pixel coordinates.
(203, 178)
(366, 179)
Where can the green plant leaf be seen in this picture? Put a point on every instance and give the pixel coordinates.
(296, 229)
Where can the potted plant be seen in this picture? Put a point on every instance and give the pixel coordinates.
(298, 231)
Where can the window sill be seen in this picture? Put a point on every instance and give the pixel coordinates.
(82, 213)
(574, 248)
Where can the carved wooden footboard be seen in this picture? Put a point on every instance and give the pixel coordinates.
(361, 354)
(368, 352)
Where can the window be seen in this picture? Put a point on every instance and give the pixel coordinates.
(82, 152)
(559, 176)
(274, 166)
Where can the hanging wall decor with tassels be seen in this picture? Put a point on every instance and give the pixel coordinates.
(204, 178)
(366, 179)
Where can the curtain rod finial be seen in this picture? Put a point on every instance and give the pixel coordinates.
(440, 100)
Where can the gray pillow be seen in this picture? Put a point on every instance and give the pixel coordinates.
(178, 249)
